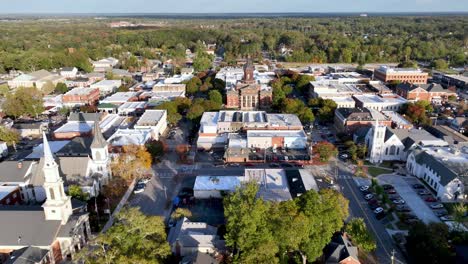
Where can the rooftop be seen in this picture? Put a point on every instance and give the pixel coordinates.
(276, 133)
(151, 117)
(125, 137)
(80, 91)
(120, 97)
(375, 99)
(5, 190)
(279, 120)
(386, 69)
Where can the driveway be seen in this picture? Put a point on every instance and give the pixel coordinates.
(413, 200)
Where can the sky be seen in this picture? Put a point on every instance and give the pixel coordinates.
(228, 6)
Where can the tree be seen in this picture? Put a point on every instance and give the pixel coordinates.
(180, 213)
(325, 150)
(202, 62)
(303, 81)
(325, 211)
(25, 101)
(429, 243)
(134, 238)
(123, 88)
(156, 148)
(247, 229)
(459, 212)
(76, 192)
(357, 230)
(440, 64)
(195, 111)
(193, 85)
(296, 106)
(115, 188)
(132, 163)
(417, 112)
(215, 96)
(61, 88)
(10, 136)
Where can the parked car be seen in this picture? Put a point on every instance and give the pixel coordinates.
(403, 209)
(373, 201)
(391, 191)
(430, 199)
(398, 201)
(369, 196)
(139, 188)
(344, 156)
(441, 213)
(364, 188)
(374, 206)
(446, 218)
(437, 206)
(418, 186)
(387, 187)
(378, 210)
(366, 192)
(424, 192)
(234, 164)
(144, 181)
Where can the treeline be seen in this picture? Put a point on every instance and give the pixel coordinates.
(30, 45)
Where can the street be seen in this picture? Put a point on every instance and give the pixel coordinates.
(358, 208)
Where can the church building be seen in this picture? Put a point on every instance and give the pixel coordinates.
(54, 230)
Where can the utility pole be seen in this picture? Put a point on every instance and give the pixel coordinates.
(392, 258)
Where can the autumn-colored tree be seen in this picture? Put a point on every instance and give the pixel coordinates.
(133, 163)
(10, 136)
(115, 188)
(325, 150)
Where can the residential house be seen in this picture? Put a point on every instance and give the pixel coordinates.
(187, 238)
(18, 174)
(341, 251)
(31, 129)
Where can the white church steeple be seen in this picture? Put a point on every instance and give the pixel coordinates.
(377, 142)
(57, 205)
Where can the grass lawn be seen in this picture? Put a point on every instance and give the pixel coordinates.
(385, 164)
(377, 171)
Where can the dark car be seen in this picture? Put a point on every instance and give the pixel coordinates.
(391, 191)
(366, 192)
(380, 216)
(418, 186)
(274, 165)
(372, 201)
(374, 206)
(403, 209)
(387, 187)
(430, 199)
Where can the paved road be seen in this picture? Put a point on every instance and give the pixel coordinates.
(359, 208)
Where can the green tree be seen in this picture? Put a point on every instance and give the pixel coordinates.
(325, 150)
(156, 148)
(215, 96)
(173, 116)
(440, 64)
(303, 81)
(193, 85)
(25, 101)
(325, 211)
(247, 229)
(357, 230)
(61, 88)
(195, 111)
(134, 238)
(202, 62)
(180, 213)
(76, 192)
(10, 136)
(429, 243)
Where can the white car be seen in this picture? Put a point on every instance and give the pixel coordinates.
(369, 196)
(446, 218)
(139, 188)
(144, 180)
(378, 210)
(437, 206)
(364, 188)
(398, 201)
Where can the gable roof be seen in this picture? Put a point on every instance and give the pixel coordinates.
(73, 170)
(339, 249)
(27, 255)
(84, 117)
(30, 226)
(9, 171)
(409, 137)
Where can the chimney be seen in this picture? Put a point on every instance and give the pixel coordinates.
(19, 165)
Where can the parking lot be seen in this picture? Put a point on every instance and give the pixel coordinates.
(403, 186)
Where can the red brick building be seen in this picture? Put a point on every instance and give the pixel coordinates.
(10, 195)
(247, 94)
(386, 74)
(429, 92)
(81, 96)
(349, 120)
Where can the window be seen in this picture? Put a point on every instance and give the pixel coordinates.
(398, 151)
(392, 150)
(14, 195)
(52, 194)
(386, 151)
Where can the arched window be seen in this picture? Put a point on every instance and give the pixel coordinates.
(386, 151)
(398, 151)
(52, 194)
(392, 150)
